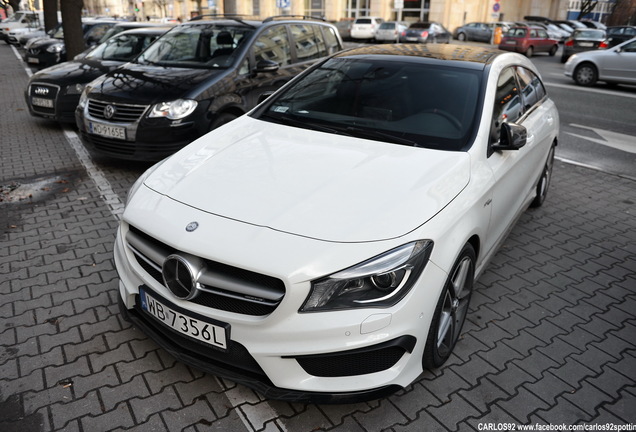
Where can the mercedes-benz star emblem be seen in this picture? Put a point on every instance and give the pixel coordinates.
(109, 112)
(192, 226)
(180, 276)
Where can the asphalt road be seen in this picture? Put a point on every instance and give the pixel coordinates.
(597, 123)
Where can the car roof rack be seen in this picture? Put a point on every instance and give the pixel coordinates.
(304, 17)
(235, 17)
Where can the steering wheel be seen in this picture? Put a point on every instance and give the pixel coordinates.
(448, 116)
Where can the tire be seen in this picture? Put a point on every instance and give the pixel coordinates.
(529, 52)
(461, 37)
(553, 50)
(564, 58)
(222, 119)
(585, 74)
(544, 181)
(451, 310)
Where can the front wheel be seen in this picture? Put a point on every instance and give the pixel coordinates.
(461, 37)
(544, 181)
(451, 310)
(585, 75)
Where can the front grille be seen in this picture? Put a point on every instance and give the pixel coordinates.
(223, 287)
(357, 362)
(124, 113)
(43, 91)
(128, 148)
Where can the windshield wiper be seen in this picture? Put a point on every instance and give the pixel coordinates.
(374, 134)
(291, 121)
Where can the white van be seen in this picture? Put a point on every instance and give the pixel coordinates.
(365, 27)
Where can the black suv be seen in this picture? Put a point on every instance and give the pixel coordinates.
(195, 78)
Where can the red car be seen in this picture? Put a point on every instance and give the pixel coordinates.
(528, 40)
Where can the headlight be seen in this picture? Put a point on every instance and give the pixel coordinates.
(75, 89)
(379, 282)
(55, 48)
(174, 110)
(83, 99)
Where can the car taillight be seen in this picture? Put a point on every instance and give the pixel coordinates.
(569, 42)
(424, 33)
(603, 44)
(404, 33)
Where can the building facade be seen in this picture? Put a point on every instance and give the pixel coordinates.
(451, 13)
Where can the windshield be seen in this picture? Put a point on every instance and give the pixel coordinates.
(401, 102)
(122, 47)
(197, 46)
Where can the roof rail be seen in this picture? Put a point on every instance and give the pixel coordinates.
(235, 17)
(304, 17)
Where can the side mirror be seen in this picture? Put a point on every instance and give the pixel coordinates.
(513, 137)
(264, 96)
(266, 66)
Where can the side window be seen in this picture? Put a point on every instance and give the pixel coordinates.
(305, 42)
(532, 89)
(331, 40)
(273, 44)
(533, 33)
(630, 47)
(96, 33)
(507, 106)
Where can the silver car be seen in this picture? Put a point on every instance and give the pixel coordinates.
(390, 31)
(615, 65)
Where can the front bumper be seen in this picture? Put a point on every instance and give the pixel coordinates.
(330, 357)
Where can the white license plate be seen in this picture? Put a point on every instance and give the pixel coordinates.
(33, 60)
(511, 42)
(42, 102)
(586, 44)
(412, 39)
(212, 334)
(107, 130)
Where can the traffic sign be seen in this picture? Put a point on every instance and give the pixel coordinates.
(283, 4)
(496, 7)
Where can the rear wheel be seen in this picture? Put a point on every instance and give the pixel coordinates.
(544, 181)
(451, 310)
(553, 50)
(529, 52)
(585, 75)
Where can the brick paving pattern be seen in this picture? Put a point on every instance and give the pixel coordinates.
(550, 337)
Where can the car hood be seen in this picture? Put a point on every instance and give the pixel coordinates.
(81, 72)
(45, 43)
(151, 84)
(312, 184)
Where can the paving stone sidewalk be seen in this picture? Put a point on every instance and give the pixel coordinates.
(550, 337)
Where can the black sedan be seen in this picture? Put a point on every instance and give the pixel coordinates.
(54, 92)
(426, 32)
(583, 40)
(619, 34)
(49, 51)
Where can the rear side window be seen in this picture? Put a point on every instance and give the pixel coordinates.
(363, 21)
(273, 44)
(331, 40)
(532, 89)
(308, 42)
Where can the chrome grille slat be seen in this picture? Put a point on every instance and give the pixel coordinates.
(221, 286)
(124, 112)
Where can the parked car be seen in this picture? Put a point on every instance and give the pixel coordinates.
(426, 32)
(195, 78)
(615, 65)
(20, 19)
(583, 40)
(24, 38)
(50, 51)
(365, 27)
(593, 24)
(479, 31)
(390, 31)
(226, 261)
(54, 92)
(619, 34)
(528, 40)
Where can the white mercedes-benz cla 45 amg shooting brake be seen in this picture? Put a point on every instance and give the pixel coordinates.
(324, 246)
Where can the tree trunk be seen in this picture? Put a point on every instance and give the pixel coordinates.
(72, 23)
(50, 14)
